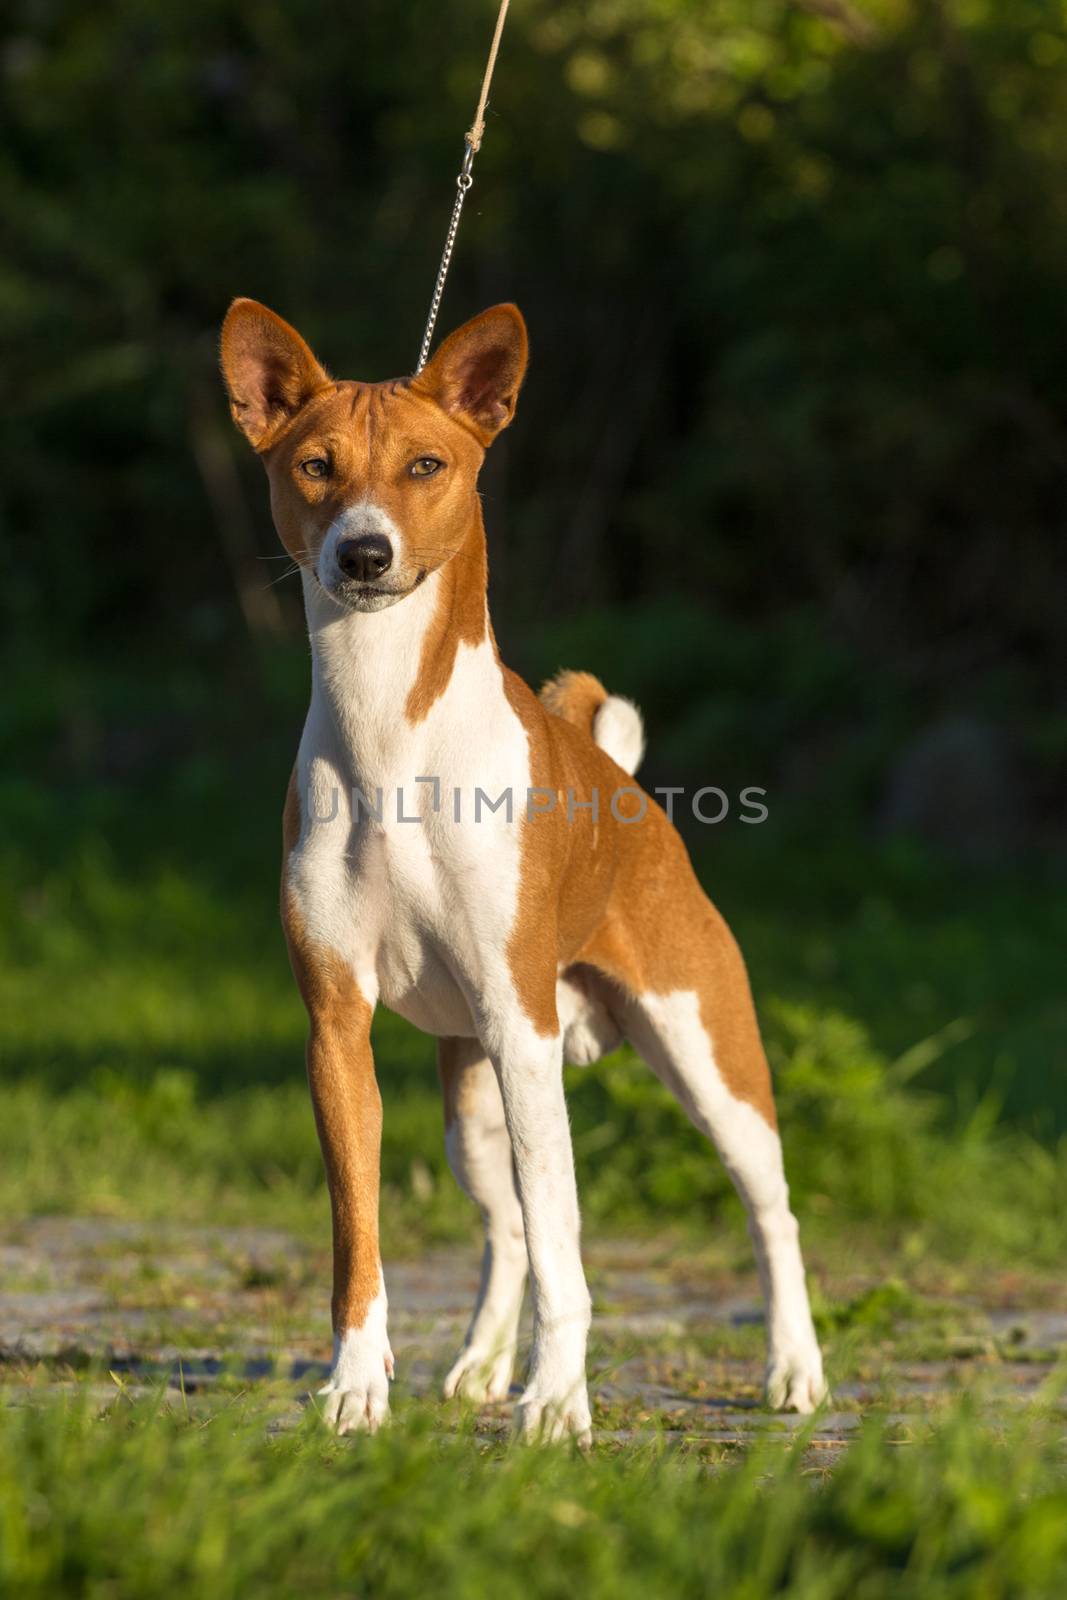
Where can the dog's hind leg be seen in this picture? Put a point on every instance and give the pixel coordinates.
(479, 1153)
(703, 1043)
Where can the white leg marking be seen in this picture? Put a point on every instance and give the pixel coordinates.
(479, 1153)
(555, 1401)
(668, 1031)
(356, 1394)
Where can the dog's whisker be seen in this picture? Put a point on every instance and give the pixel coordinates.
(282, 576)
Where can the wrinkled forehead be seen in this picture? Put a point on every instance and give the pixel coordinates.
(370, 422)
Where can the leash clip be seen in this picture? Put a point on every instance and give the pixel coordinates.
(465, 179)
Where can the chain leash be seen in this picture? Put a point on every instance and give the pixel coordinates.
(473, 143)
(463, 184)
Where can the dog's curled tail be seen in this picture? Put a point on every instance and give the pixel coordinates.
(614, 722)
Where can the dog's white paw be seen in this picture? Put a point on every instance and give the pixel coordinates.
(481, 1375)
(794, 1380)
(361, 1409)
(544, 1419)
(355, 1397)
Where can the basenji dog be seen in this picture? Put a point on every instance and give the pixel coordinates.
(479, 860)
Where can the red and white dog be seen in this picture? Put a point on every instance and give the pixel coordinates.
(548, 928)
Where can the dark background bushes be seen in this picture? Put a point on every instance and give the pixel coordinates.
(791, 462)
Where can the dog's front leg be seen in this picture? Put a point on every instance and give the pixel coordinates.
(348, 1113)
(530, 1069)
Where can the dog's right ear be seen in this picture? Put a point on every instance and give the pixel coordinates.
(269, 371)
(478, 371)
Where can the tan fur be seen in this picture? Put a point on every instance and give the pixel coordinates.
(461, 618)
(477, 373)
(574, 696)
(370, 432)
(290, 409)
(270, 372)
(623, 898)
(346, 1101)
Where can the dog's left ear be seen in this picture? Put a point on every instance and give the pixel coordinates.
(269, 371)
(478, 371)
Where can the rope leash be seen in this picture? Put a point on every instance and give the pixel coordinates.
(473, 141)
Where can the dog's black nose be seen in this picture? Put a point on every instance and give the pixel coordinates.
(366, 558)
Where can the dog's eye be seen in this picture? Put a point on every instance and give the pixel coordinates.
(315, 467)
(425, 467)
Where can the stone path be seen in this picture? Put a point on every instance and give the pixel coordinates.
(676, 1346)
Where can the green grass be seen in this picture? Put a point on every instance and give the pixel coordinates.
(151, 1500)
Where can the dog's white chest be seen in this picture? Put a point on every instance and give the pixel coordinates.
(403, 889)
(402, 866)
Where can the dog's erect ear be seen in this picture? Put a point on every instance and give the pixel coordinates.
(269, 371)
(478, 370)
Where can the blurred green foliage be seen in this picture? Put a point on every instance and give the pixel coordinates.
(151, 1055)
(793, 271)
